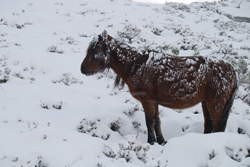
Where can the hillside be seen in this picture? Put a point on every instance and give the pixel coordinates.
(51, 115)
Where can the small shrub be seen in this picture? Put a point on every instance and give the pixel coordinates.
(87, 126)
(241, 67)
(48, 105)
(241, 131)
(197, 54)
(52, 49)
(115, 125)
(131, 111)
(175, 51)
(4, 70)
(234, 26)
(131, 149)
(19, 75)
(136, 124)
(67, 79)
(212, 155)
(109, 152)
(44, 105)
(92, 127)
(70, 40)
(130, 32)
(60, 51)
(83, 35)
(57, 106)
(4, 75)
(100, 165)
(156, 31)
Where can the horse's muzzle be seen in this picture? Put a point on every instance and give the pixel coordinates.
(85, 71)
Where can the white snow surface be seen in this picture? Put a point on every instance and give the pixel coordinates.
(179, 1)
(51, 115)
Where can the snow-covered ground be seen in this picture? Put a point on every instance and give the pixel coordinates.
(51, 115)
(179, 1)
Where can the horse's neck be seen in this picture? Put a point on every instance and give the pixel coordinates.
(125, 60)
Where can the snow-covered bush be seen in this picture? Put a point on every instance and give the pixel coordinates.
(179, 29)
(131, 111)
(4, 74)
(188, 44)
(209, 6)
(70, 40)
(226, 50)
(109, 152)
(129, 149)
(175, 51)
(115, 125)
(237, 153)
(52, 49)
(136, 124)
(241, 67)
(240, 28)
(83, 35)
(34, 160)
(153, 47)
(156, 31)
(179, 6)
(88, 11)
(100, 128)
(68, 79)
(4, 70)
(48, 105)
(130, 32)
(196, 53)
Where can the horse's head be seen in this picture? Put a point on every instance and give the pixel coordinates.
(97, 58)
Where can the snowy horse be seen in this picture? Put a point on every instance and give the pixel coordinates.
(171, 81)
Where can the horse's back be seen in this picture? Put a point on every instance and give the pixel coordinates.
(174, 82)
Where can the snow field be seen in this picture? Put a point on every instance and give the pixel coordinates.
(51, 115)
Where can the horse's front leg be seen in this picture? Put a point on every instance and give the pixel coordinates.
(159, 137)
(149, 110)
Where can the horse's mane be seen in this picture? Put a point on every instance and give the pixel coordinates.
(119, 83)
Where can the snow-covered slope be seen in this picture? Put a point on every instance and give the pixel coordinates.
(237, 10)
(51, 115)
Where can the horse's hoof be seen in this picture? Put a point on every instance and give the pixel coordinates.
(152, 143)
(163, 143)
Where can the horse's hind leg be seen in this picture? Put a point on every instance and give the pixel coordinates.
(208, 126)
(159, 137)
(218, 115)
(149, 110)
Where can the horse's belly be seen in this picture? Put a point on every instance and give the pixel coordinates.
(180, 103)
(182, 98)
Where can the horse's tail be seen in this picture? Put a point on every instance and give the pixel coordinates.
(228, 106)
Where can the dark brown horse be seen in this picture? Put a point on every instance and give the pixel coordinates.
(158, 79)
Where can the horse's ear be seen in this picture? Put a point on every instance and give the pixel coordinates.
(104, 34)
(100, 38)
